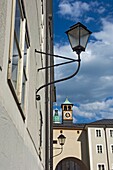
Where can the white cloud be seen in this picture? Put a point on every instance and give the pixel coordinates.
(65, 8)
(105, 34)
(74, 10)
(94, 81)
(89, 19)
(101, 10)
(95, 110)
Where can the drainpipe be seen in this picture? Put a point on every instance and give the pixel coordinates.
(49, 116)
(106, 148)
(51, 100)
(46, 97)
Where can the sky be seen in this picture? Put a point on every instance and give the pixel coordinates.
(91, 90)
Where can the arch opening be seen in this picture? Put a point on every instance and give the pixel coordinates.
(71, 163)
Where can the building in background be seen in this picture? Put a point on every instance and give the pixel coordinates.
(87, 146)
(25, 131)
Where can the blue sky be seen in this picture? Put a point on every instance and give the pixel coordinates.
(91, 90)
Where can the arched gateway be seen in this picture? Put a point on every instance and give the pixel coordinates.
(71, 163)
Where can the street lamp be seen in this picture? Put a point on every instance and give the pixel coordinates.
(61, 138)
(78, 36)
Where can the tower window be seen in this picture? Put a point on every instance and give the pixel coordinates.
(69, 107)
(65, 107)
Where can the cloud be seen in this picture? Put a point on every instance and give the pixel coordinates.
(92, 111)
(105, 35)
(95, 110)
(94, 82)
(73, 8)
(76, 10)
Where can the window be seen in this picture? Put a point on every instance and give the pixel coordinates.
(111, 133)
(101, 167)
(69, 107)
(111, 148)
(98, 133)
(99, 149)
(65, 107)
(17, 75)
(42, 5)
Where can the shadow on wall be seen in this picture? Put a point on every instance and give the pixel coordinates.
(84, 147)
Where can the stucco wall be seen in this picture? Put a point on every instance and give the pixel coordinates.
(18, 148)
(15, 152)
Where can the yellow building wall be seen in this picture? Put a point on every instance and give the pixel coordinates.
(75, 145)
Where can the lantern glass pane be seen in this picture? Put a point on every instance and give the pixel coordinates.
(73, 36)
(84, 35)
(62, 141)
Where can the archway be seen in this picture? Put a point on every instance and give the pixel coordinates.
(71, 163)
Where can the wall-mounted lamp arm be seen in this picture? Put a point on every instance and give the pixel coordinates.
(68, 62)
(59, 152)
(54, 55)
(60, 80)
(78, 44)
(56, 148)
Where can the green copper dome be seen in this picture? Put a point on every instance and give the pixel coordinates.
(56, 117)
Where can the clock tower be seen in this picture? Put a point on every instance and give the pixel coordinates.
(67, 117)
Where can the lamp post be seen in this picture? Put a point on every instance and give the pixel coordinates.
(78, 36)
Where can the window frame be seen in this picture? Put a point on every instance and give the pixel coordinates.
(101, 164)
(23, 38)
(111, 148)
(111, 133)
(98, 133)
(99, 148)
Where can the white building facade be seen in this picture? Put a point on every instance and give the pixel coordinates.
(25, 25)
(100, 139)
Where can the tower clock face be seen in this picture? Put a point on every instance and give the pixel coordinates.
(67, 114)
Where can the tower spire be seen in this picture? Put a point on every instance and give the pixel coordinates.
(56, 117)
